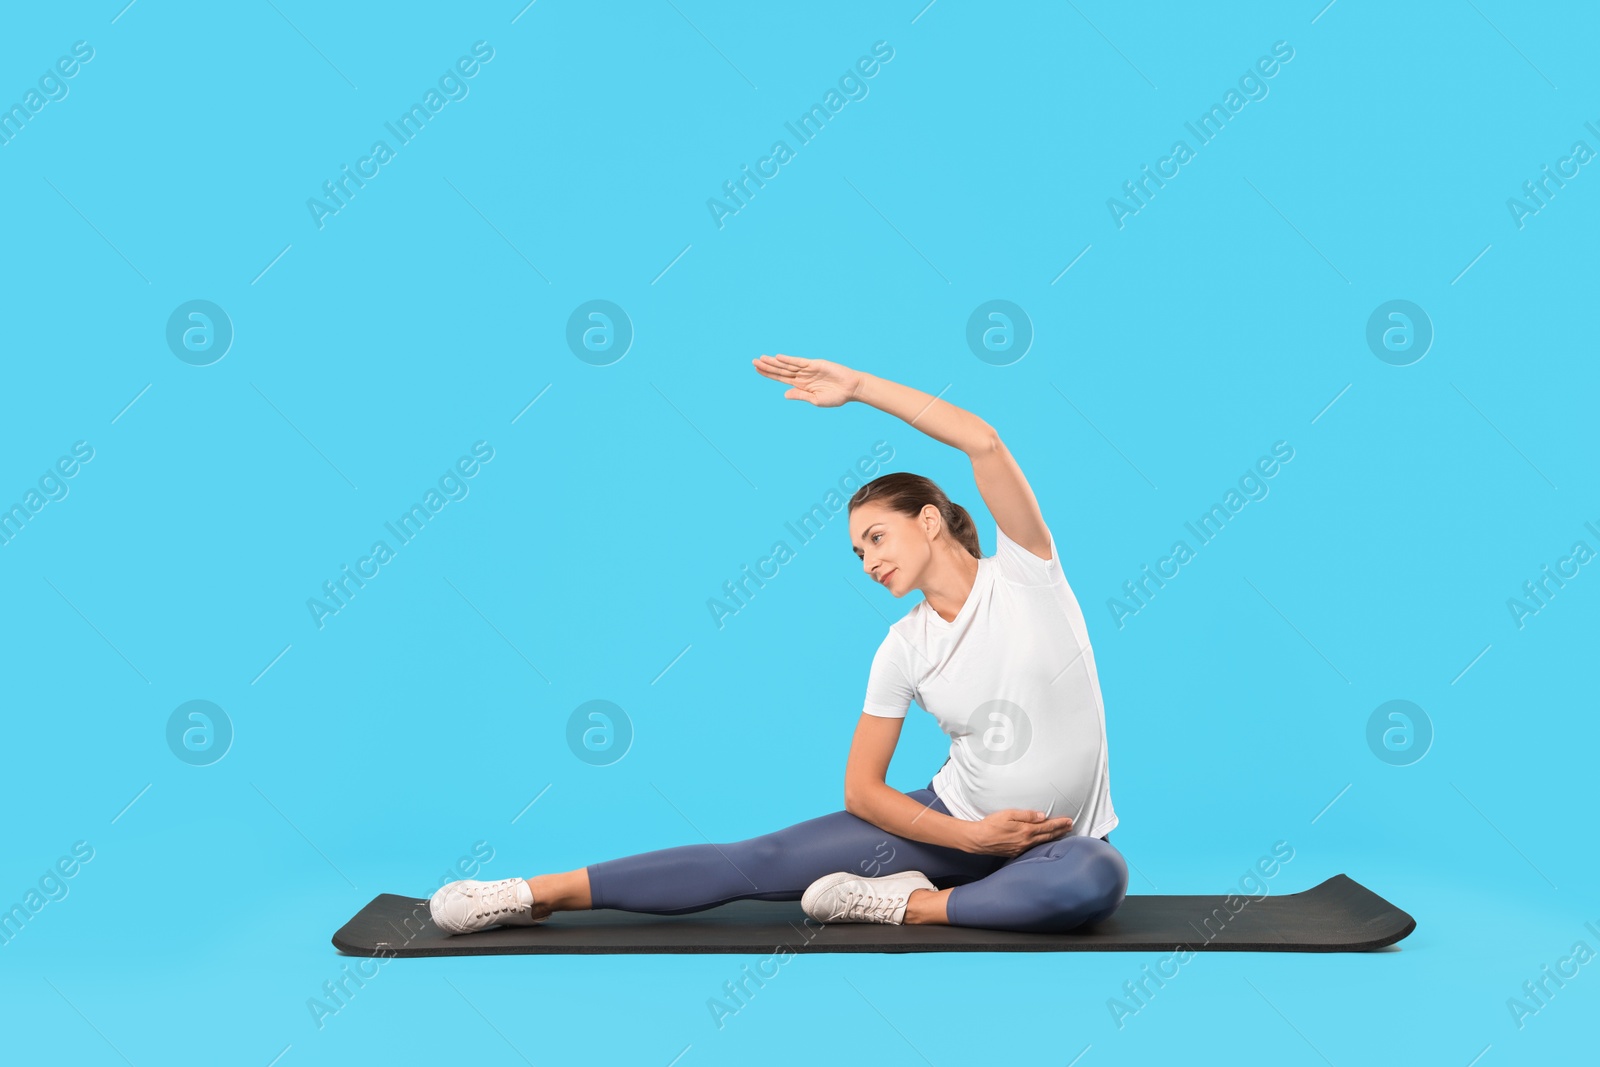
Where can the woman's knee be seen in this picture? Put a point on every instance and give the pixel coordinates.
(759, 853)
(1094, 883)
(836, 832)
(1106, 877)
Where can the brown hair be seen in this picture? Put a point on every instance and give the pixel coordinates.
(909, 493)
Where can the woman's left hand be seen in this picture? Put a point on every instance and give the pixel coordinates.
(824, 384)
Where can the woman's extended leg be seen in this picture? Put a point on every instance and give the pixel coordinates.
(775, 866)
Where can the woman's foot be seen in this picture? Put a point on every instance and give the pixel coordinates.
(467, 906)
(850, 898)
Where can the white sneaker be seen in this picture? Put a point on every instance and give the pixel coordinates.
(850, 898)
(463, 907)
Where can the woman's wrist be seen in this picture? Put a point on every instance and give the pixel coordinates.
(963, 832)
(859, 384)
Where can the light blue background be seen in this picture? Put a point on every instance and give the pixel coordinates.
(370, 354)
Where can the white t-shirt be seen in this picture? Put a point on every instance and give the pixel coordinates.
(1012, 681)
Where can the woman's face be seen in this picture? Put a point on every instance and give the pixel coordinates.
(892, 546)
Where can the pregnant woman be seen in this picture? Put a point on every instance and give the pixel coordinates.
(1011, 832)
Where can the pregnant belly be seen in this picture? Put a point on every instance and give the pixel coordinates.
(1022, 762)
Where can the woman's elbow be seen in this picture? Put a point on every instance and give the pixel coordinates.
(855, 794)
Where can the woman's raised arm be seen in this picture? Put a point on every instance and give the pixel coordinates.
(827, 384)
(994, 470)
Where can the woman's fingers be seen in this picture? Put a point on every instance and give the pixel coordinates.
(786, 362)
(783, 376)
(775, 373)
(768, 366)
(1050, 830)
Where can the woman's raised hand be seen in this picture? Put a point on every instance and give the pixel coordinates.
(824, 384)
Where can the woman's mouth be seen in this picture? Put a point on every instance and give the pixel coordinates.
(885, 579)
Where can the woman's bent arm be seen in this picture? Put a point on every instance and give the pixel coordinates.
(939, 419)
(889, 809)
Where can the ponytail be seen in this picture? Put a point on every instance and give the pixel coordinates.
(961, 526)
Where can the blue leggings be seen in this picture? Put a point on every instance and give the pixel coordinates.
(1053, 887)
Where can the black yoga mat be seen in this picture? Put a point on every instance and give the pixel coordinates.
(1340, 915)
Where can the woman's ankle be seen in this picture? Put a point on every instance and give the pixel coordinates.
(927, 906)
(541, 906)
(568, 891)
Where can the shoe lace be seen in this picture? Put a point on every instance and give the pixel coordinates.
(863, 904)
(499, 901)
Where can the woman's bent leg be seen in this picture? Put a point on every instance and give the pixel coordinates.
(1051, 888)
(775, 866)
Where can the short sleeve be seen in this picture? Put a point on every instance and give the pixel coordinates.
(889, 691)
(1021, 566)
